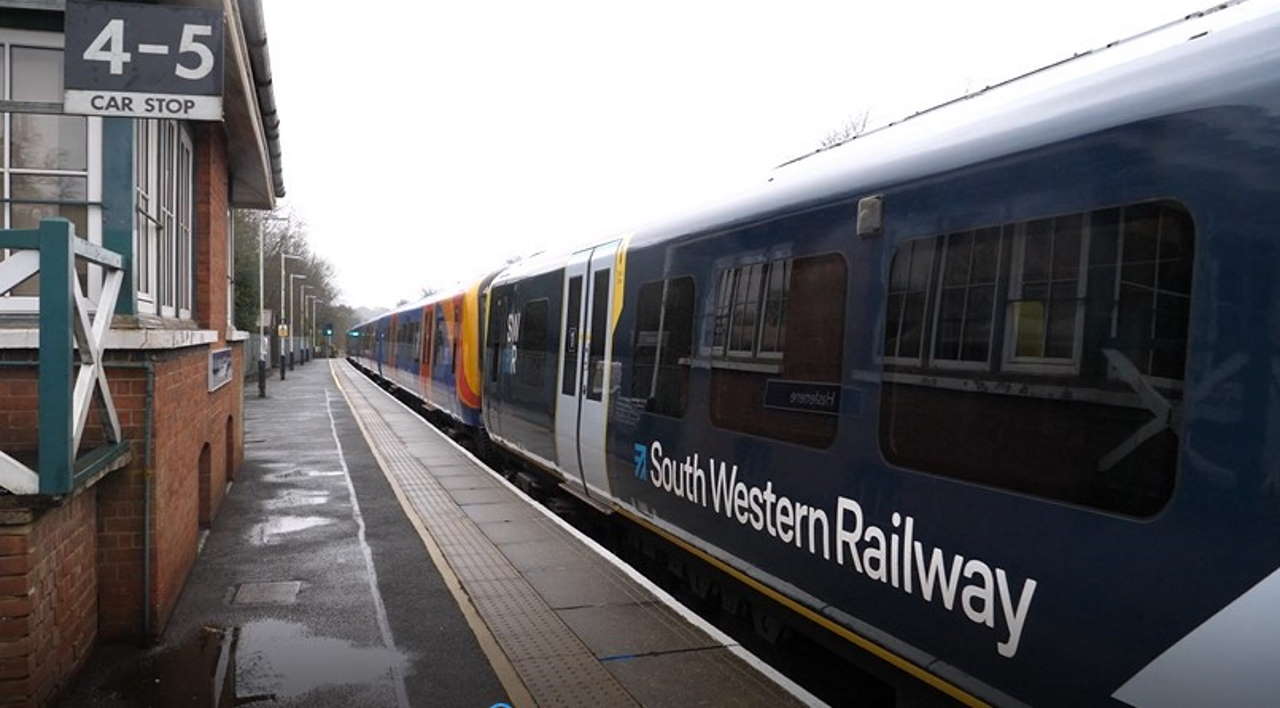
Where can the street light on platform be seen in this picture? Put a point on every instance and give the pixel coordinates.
(311, 339)
(304, 355)
(283, 257)
(292, 276)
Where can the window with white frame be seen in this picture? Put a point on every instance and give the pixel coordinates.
(1046, 292)
(750, 309)
(164, 190)
(50, 166)
(967, 297)
(908, 297)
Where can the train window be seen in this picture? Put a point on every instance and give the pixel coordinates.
(663, 342)
(1085, 398)
(456, 335)
(967, 296)
(572, 334)
(773, 328)
(532, 357)
(1150, 317)
(497, 332)
(443, 355)
(796, 396)
(743, 318)
(1046, 291)
(428, 338)
(599, 334)
(908, 296)
(750, 309)
(723, 304)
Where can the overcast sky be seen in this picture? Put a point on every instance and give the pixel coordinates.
(425, 142)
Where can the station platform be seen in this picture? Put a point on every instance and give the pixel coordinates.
(573, 625)
(362, 558)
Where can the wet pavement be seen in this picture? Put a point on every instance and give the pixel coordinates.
(312, 588)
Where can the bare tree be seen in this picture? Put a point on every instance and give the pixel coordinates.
(852, 127)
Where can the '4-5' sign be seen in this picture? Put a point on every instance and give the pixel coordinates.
(146, 61)
(108, 46)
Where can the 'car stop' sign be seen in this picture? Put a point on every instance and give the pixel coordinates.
(143, 61)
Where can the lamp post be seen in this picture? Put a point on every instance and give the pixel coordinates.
(300, 276)
(315, 302)
(262, 335)
(309, 306)
(281, 317)
(304, 355)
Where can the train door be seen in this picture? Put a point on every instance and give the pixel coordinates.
(425, 382)
(496, 341)
(586, 344)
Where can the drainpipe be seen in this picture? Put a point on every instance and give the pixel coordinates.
(148, 426)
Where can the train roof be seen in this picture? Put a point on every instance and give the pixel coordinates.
(419, 303)
(1224, 54)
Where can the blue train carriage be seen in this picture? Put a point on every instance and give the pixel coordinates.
(989, 393)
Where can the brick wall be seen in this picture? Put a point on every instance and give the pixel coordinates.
(211, 250)
(48, 598)
(18, 413)
(187, 418)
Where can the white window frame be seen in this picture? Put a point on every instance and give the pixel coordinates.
(929, 287)
(739, 303)
(167, 291)
(940, 287)
(727, 277)
(1045, 365)
(1159, 381)
(10, 38)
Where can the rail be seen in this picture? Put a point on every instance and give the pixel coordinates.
(70, 370)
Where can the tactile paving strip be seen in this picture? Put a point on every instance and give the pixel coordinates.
(556, 667)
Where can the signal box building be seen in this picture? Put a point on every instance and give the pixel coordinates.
(121, 397)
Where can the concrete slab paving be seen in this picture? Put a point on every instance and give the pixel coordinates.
(543, 593)
(504, 511)
(488, 495)
(621, 631)
(467, 482)
(579, 587)
(693, 678)
(518, 530)
(545, 553)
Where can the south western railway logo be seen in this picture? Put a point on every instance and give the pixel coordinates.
(982, 591)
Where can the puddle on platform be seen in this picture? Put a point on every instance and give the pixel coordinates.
(259, 663)
(293, 474)
(282, 660)
(197, 673)
(269, 532)
(297, 497)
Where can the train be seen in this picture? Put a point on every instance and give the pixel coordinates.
(992, 393)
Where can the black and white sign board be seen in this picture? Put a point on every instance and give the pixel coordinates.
(220, 368)
(143, 61)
